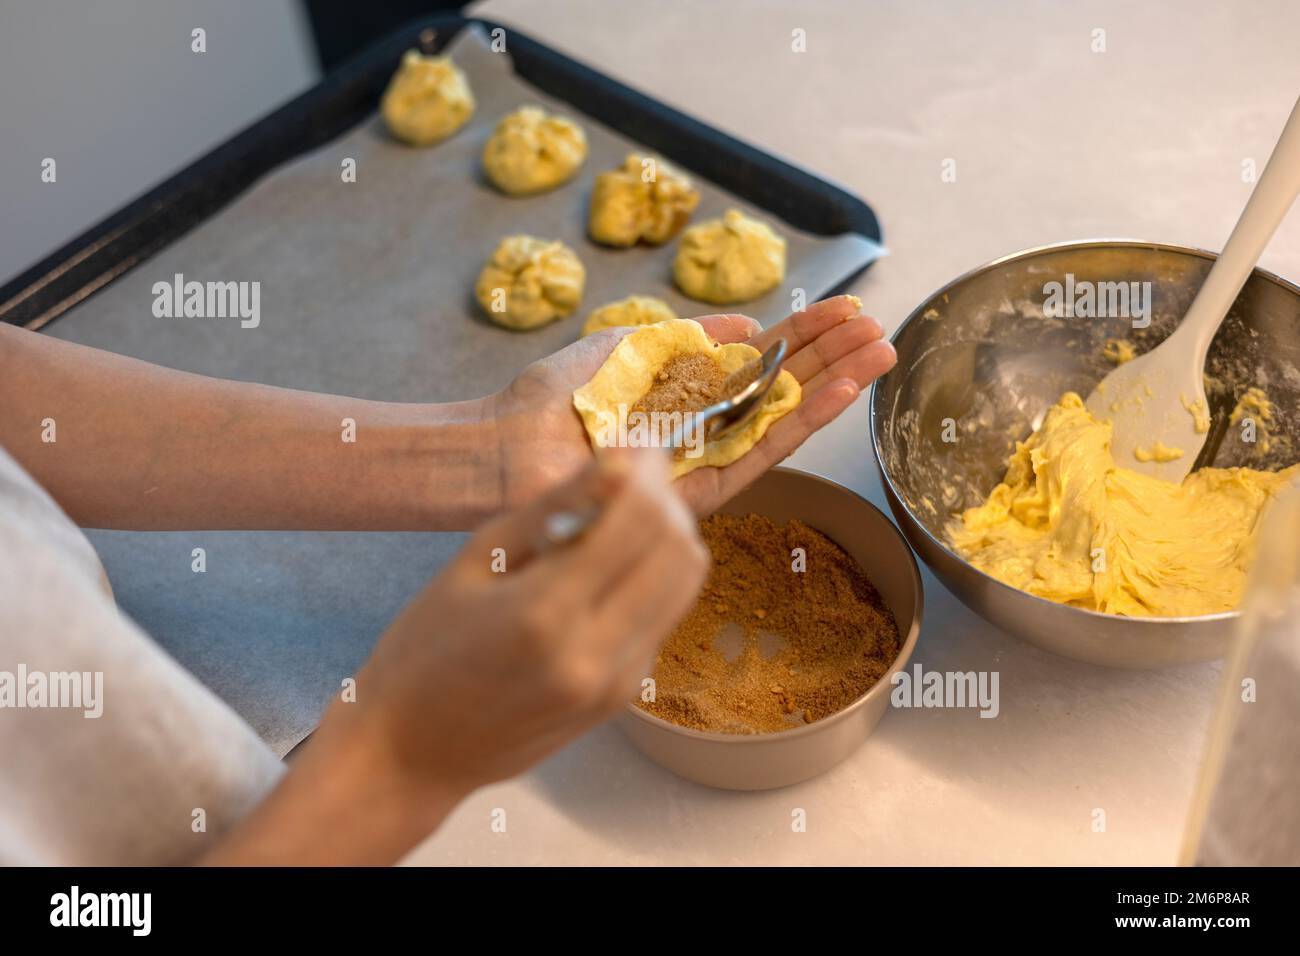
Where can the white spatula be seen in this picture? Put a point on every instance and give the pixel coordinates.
(1156, 402)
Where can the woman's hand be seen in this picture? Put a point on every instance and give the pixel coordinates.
(834, 353)
(514, 650)
(508, 654)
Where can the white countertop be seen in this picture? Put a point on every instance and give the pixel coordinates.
(1052, 142)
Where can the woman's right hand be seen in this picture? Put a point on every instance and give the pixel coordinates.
(509, 653)
(488, 670)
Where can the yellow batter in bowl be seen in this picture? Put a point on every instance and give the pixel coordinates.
(1069, 525)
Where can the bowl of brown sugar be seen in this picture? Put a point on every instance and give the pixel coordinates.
(784, 665)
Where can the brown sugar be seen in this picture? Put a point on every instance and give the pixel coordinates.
(686, 383)
(768, 647)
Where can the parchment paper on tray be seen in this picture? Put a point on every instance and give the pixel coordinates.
(366, 287)
(366, 290)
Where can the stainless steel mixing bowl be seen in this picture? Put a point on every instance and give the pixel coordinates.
(981, 352)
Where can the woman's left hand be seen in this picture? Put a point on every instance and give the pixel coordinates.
(835, 352)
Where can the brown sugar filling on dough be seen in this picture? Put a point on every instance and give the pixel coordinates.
(686, 383)
(767, 648)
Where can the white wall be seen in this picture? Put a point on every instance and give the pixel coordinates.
(111, 90)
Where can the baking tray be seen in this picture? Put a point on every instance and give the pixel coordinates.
(366, 293)
(122, 241)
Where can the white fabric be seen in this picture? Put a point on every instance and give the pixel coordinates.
(122, 788)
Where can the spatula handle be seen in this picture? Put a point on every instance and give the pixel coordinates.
(1268, 204)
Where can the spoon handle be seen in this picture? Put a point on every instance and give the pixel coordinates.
(1268, 204)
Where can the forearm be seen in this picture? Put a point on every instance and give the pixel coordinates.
(341, 804)
(144, 447)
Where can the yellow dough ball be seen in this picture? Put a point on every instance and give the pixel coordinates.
(732, 259)
(531, 151)
(644, 200)
(427, 99)
(529, 282)
(634, 310)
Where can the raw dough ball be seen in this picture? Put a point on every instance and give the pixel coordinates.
(427, 99)
(531, 151)
(634, 310)
(529, 282)
(732, 259)
(634, 367)
(625, 208)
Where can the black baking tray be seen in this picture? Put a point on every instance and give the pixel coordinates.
(351, 94)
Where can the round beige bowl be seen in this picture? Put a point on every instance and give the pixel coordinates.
(764, 761)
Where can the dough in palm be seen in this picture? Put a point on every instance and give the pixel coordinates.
(639, 363)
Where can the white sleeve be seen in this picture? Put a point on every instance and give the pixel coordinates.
(163, 770)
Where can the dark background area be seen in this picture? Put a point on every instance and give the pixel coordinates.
(343, 27)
